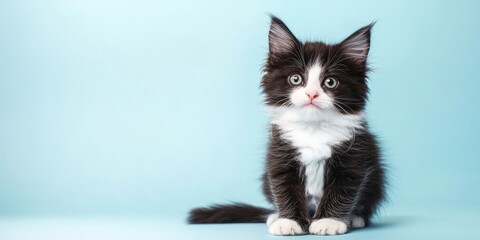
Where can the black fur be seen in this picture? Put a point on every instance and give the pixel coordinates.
(229, 213)
(354, 178)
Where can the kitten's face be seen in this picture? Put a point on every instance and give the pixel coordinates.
(313, 79)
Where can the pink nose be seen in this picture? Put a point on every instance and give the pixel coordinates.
(312, 94)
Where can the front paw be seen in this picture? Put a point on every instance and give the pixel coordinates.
(285, 226)
(327, 226)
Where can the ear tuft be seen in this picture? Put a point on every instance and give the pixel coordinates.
(280, 39)
(357, 45)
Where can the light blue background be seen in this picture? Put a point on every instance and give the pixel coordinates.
(148, 108)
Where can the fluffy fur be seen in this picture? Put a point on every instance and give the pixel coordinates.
(324, 173)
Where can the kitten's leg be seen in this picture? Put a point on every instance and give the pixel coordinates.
(358, 222)
(333, 213)
(289, 197)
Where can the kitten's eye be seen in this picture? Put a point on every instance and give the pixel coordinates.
(295, 79)
(330, 83)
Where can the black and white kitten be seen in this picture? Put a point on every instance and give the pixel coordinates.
(323, 173)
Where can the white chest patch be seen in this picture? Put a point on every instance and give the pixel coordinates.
(314, 140)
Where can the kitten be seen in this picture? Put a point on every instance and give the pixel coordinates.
(324, 173)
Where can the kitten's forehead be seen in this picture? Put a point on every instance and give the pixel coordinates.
(315, 52)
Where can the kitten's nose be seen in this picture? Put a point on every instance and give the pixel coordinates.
(312, 94)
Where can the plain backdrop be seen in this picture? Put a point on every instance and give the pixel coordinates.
(128, 108)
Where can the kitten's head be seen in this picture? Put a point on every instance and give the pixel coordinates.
(312, 80)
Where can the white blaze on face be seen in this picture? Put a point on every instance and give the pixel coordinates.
(299, 97)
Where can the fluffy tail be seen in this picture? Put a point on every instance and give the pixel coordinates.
(229, 213)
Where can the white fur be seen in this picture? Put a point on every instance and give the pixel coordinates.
(285, 226)
(314, 185)
(314, 73)
(272, 218)
(314, 139)
(327, 226)
(358, 222)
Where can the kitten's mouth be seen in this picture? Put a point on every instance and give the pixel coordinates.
(312, 105)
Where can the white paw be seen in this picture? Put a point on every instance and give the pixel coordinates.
(327, 226)
(272, 218)
(358, 222)
(284, 226)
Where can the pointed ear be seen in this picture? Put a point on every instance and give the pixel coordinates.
(280, 39)
(357, 45)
